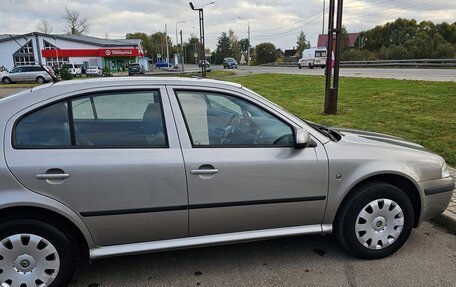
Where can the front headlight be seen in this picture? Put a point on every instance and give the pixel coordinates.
(445, 171)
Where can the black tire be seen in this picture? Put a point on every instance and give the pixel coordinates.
(40, 80)
(323, 66)
(6, 80)
(348, 215)
(65, 250)
(299, 66)
(311, 66)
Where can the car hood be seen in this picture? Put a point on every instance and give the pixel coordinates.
(360, 136)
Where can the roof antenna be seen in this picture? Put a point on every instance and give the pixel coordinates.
(54, 78)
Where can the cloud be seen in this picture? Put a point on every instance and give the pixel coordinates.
(273, 21)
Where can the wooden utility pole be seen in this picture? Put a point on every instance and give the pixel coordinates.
(332, 87)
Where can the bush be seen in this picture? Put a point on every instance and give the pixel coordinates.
(265, 53)
(107, 72)
(65, 73)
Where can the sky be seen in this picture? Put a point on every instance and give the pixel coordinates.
(278, 22)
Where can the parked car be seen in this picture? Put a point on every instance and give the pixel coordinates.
(162, 64)
(74, 69)
(32, 73)
(205, 62)
(136, 68)
(211, 162)
(93, 71)
(229, 63)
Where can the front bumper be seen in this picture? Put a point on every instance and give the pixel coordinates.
(436, 195)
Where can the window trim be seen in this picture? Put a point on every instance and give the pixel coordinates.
(71, 123)
(176, 90)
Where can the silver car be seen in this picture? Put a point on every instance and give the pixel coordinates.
(106, 167)
(26, 74)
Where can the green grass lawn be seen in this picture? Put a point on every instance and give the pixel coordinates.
(419, 111)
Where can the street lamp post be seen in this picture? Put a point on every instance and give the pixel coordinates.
(177, 39)
(248, 39)
(201, 25)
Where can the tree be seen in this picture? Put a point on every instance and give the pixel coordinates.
(234, 45)
(145, 42)
(244, 45)
(44, 27)
(76, 24)
(223, 49)
(227, 46)
(158, 44)
(407, 39)
(265, 53)
(302, 43)
(190, 48)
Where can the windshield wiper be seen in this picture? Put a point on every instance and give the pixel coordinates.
(325, 130)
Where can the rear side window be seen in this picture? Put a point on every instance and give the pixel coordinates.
(118, 119)
(46, 127)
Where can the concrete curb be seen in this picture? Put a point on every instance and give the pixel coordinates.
(448, 217)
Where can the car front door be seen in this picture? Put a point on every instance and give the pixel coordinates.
(243, 171)
(112, 156)
(16, 74)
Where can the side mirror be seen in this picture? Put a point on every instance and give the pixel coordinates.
(302, 139)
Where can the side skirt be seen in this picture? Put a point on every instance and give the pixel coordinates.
(206, 240)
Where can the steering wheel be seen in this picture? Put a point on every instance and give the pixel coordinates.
(231, 127)
(281, 138)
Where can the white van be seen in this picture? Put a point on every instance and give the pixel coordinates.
(313, 57)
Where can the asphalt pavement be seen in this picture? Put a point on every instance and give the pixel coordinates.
(427, 259)
(386, 73)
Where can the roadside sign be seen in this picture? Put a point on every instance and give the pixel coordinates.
(195, 55)
(159, 55)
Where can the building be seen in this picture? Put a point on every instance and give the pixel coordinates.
(323, 40)
(58, 49)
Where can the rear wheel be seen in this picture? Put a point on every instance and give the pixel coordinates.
(376, 221)
(299, 66)
(310, 66)
(6, 80)
(40, 80)
(34, 253)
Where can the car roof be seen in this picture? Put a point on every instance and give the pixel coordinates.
(47, 91)
(76, 85)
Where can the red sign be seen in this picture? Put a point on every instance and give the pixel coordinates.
(118, 52)
(114, 52)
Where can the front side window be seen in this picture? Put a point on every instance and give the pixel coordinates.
(219, 120)
(118, 119)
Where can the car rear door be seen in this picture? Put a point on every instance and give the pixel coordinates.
(111, 155)
(242, 170)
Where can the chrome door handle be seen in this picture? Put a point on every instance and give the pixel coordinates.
(204, 171)
(52, 176)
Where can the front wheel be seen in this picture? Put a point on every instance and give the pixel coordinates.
(40, 80)
(299, 66)
(6, 80)
(34, 253)
(376, 221)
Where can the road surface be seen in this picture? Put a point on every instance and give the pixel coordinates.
(400, 74)
(427, 259)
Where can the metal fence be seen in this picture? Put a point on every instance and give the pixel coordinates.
(413, 63)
